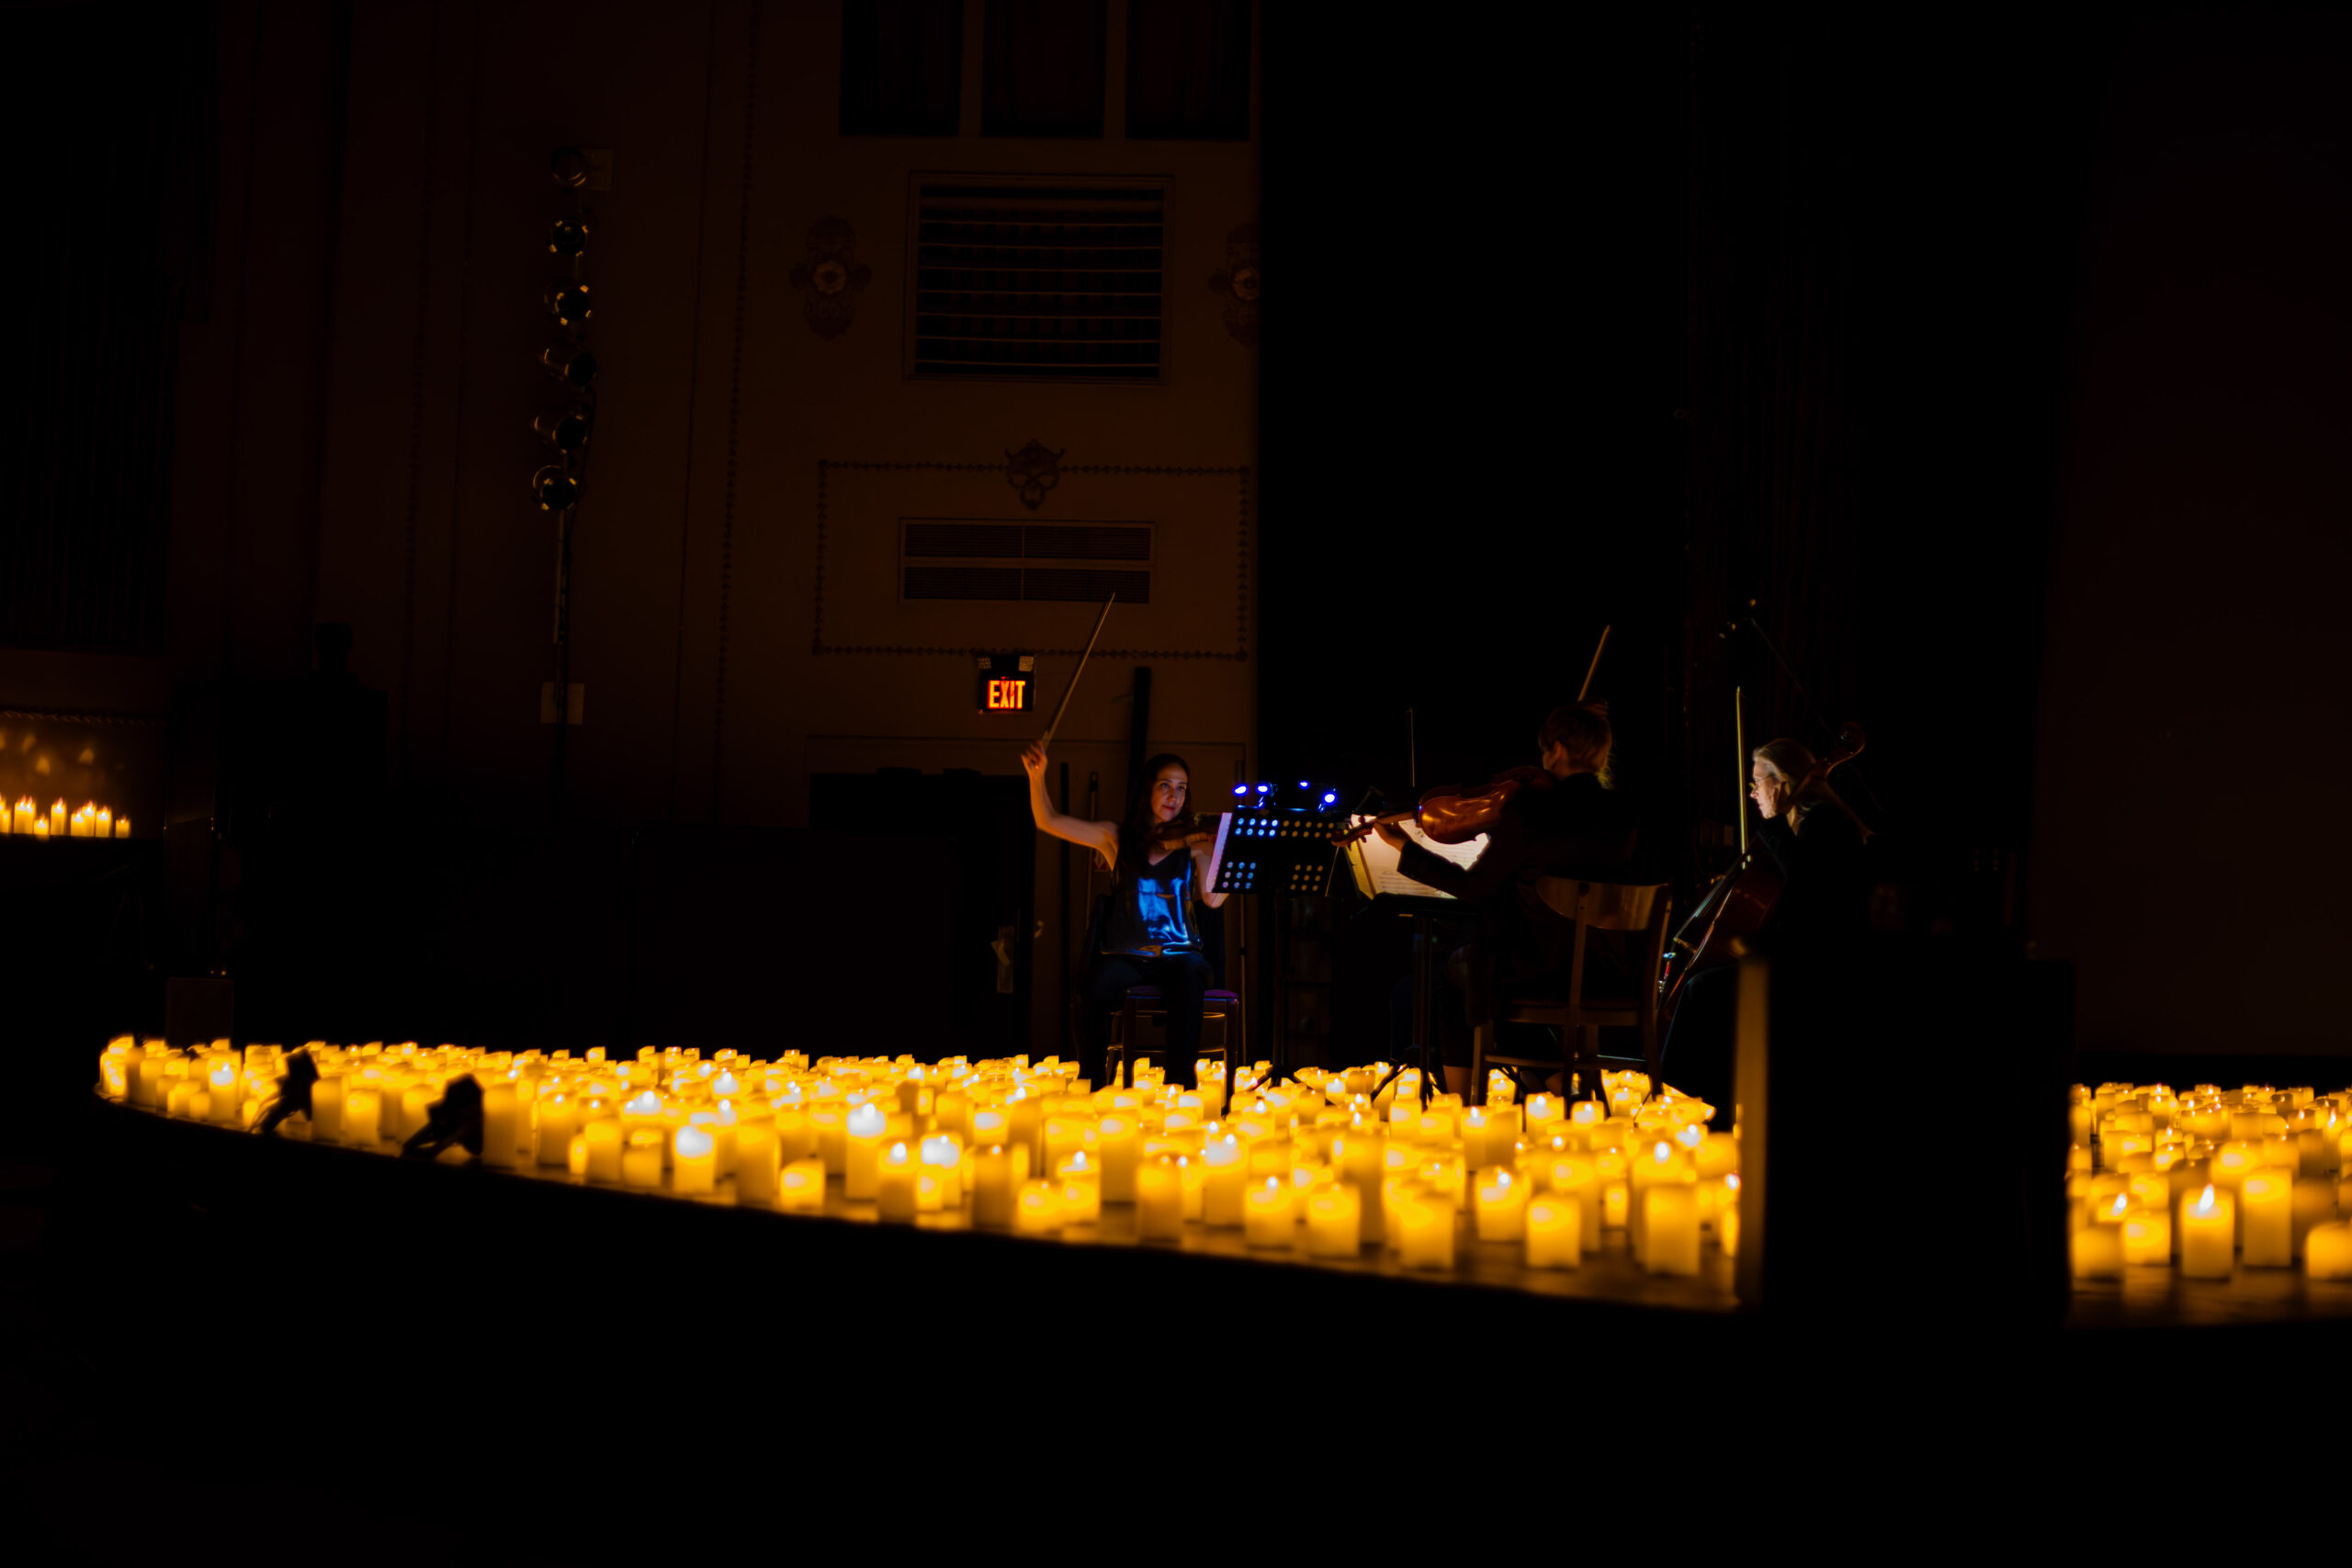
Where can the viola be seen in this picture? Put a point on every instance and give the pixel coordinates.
(1456, 813)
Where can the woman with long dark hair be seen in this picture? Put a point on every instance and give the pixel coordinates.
(1150, 936)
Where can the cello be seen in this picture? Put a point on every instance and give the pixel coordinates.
(1741, 898)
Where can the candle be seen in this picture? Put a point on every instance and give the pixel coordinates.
(1501, 1205)
(795, 1138)
(557, 1120)
(826, 1126)
(2147, 1235)
(362, 1113)
(501, 1121)
(2096, 1250)
(693, 1160)
(1423, 1224)
(943, 1157)
(102, 826)
(801, 1187)
(894, 1189)
(1670, 1228)
(1159, 1200)
(1334, 1220)
(756, 1162)
(2265, 1210)
(1117, 1145)
(2314, 1205)
(1038, 1209)
(1271, 1213)
(223, 1086)
(1081, 1183)
(602, 1140)
(2208, 1230)
(2327, 1252)
(25, 813)
(1360, 1155)
(57, 819)
(1224, 1178)
(122, 826)
(641, 1158)
(1555, 1231)
(996, 1174)
(862, 1152)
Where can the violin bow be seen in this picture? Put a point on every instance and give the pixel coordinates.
(1047, 738)
(1593, 669)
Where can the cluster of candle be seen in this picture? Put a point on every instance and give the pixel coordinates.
(2210, 1182)
(91, 822)
(1323, 1164)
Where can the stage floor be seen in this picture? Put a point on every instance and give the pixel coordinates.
(2150, 1297)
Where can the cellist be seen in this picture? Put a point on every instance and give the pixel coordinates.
(1571, 825)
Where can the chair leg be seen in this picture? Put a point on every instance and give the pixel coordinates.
(1482, 1040)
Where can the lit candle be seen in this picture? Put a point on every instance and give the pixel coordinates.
(1081, 1182)
(1334, 1220)
(862, 1152)
(944, 1157)
(25, 813)
(1359, 1156)
(801, 1188)
(362, 1117)
(641, 1157)
(57, 819)
(1423, 1224)
(1270, 1213)
(223, 1086)
(1501, 1205)
(1159, 1200)
(2208, 1231)
(2266, 1204)
(756, 1162)
(2327, 1252)
(122, 826)
(826, 1123)
(1670, 1228)
(557, 1120)
(1555, 1231)
(1037, 1210)
(2314, 1205)
(1117, 1145)
(2147, 1235)
(894, 1189)
(795, 1138)
(2095, 1250)
(693, 1160)
(1225, 1177)
(603, 1140)
(102, 827)
(996, 1174)
(501, 1119)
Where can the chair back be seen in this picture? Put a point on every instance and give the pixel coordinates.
(1616, 906)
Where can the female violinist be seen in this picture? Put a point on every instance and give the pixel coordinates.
(1818, 919)
(1563, 821)
(1164, 859)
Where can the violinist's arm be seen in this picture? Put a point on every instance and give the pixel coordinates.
(1102, 837)
(1206, 858)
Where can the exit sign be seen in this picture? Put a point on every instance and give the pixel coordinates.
(1008, 682)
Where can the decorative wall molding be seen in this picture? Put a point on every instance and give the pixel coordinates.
(832, 278)
(1033, 470)
(831, 471)
(1238, 282)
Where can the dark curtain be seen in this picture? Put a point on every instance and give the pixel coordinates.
(1042, 70)
(902, 67)
(1188, 69)
(113, 118)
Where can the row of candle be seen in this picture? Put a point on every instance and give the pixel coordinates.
(1324, 1162)
(2210, 1182)
(92, 822)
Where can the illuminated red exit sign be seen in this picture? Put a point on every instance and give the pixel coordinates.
(1007, 682)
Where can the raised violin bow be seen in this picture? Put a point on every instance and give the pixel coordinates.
(1047, 738)
(1593, 669)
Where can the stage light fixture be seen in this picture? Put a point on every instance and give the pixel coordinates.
(563, 429)
(570, 364)
(568, 303)
(569, 168)
(569, 238)
(555, 489)
(1241, 789)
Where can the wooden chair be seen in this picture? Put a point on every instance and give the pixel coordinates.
(1639, 911)
(1219, 1005)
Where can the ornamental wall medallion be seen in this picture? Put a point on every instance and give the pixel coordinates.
(1238, 283)
(830, 278)
(1033, 470)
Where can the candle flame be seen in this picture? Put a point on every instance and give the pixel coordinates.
(2205, 1203)
(1663, 1153)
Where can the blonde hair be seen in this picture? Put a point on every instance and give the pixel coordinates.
(1793, 760)
(1581, 732)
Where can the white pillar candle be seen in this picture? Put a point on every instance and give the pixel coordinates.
(2314, 1205)
(1501, 1204)
(996, 1174)
(2096, 1250)
(1159, 1200)
(795, 1137)
(1225, 1177)
(693, 1160)
(2147, 1235)
(2327, 1252)
(557, 1120)
(1423, 1224)
(499, 1118)
(756, 1164)
(944, 1157)
(894, 1183)
(826, 1123)
(1117, 1145)
(362, 1117)
(862, 1152)
(1670, 1228)
(1270, 1213)
(1554, 1232)
(641, 1158)
(1334, 1220)
(222, 1084)
(800, 1188)
(1081, 1185)
(602, 1138)
(2208, 1234)
(1036, 1207)
(2265, 1202)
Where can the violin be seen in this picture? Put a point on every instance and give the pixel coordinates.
(1456, 813)
(1742, 899)
(1182, 832)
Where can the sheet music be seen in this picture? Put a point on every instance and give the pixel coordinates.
(1376, 864)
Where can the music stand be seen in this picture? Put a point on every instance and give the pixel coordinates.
(1260, 850)
(1387, 889)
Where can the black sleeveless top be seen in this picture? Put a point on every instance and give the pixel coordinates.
(1151, 910)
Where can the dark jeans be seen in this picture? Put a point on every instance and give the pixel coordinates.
(1103, 990)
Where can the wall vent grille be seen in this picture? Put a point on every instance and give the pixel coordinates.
(947, 558)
